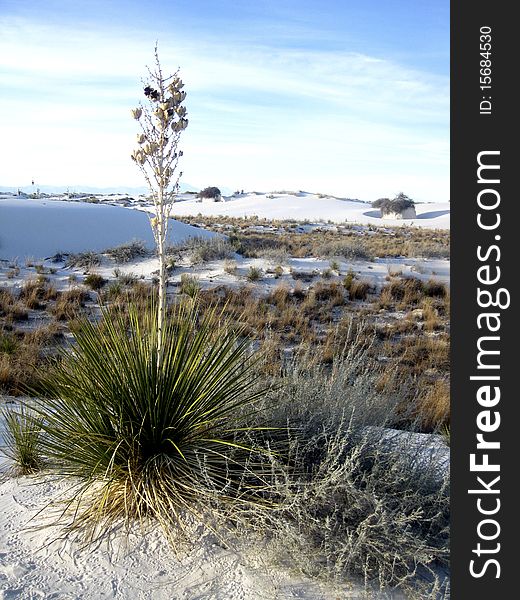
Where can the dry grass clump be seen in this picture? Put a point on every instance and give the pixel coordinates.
(94, 281)
(405, 292)
(35, 293)
(254, 273)
(125, 253)
(332, 293)
(69, 304)
(433, 407)
(359, 289)
(22, 356)
(230, 267)
(190, 285)
(11, 308)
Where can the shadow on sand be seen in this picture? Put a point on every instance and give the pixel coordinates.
(433, 214)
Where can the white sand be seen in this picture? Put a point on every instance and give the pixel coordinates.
(304, 205)
(41, 228)
(35, 564)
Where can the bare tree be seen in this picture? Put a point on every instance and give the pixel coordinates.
(162, 119)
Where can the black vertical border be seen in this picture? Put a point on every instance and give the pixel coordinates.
(472, 133)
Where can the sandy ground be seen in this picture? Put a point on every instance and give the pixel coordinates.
(35, 563)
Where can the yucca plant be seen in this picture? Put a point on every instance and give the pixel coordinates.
(143, 441)
(162, 119)
(22, 439)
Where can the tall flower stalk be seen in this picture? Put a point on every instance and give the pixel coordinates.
(162, 119)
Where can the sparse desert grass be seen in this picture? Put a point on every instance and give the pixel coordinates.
(349, 249)
(83, 260)
(125, 253)
(391, 242)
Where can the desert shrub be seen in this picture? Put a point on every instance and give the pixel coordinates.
(22, 440)
(83, 260)
(364, 509)
(362, 500)
(395, 205)
(148, 442)
(210, 192)
(94, 281)
(125, 253)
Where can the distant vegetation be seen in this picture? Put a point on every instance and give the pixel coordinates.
(210, 192)
(395, 205)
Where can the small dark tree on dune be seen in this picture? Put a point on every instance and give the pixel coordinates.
(395, 205)
(210, 192)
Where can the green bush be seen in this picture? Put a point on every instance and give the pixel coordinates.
(150, 442)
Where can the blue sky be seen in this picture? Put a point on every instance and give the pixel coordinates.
(348, 98)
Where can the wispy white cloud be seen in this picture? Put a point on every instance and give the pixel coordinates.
(260, 117)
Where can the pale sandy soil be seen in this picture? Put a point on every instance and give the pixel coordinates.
(36, 563)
